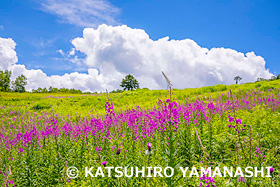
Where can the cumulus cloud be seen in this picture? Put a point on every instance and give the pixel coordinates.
(122, 50)
(70, 56)
(90, 81)
(113, 52)
(8, 56)
(85, 13)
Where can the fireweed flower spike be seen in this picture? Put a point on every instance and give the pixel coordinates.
(231, 119)
(238, 121)
(149, 151)
(141, 125)
(149, 145)
(104, 163)
(119, 150)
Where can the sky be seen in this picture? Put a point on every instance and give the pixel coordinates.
(92, 44)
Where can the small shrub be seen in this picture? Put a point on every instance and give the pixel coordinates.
(40, 106)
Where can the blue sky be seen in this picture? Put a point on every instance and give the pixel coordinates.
(240, 25)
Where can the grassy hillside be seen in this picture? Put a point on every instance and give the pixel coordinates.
(43, 135)
(84, 104)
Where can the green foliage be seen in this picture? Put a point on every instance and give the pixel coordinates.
(41, 105)
(117, 91)
(19, 84)
(45, 164)
(64, 102)
(56, 90)
(261, 79)
(129, 83)
(5, 79)
(237, 79)
(271, 79)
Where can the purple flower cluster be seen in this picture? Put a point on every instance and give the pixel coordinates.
(260, 155)
(207, 181)
(27, 129)
(236, 126)
(241, 179)
(9, 182)
(98, 149)
(104, 163)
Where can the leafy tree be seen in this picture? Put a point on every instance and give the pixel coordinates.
(117, 91)
(39, 90)
(261, 79)
(56, 90)
(19, 84)
(45, 90)
(237, 79)
(273, 78)
(129, 83)
(5, 80)
(51, 90)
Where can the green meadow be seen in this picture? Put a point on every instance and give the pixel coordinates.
(43, 136)
(93, 104)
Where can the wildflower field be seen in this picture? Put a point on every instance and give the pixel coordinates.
(43, 135)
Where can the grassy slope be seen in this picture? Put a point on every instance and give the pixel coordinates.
(44, 164)
(94, 104)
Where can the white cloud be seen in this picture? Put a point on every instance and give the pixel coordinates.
(113, 52)
(8, 55)
(60, 51)
(71, 57)
(37, 78)
(122, 50)
(1, 27)
(72, 52)
(85, 13)
(91, 81)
